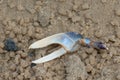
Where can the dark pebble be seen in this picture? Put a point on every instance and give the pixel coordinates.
(10, 45)
(32, 65)
(31, 53)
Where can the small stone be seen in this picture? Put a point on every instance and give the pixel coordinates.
(12, 35)
(111, 38)
(114, 22)
(27, 20)
(85, 6)
(62, 11)
(24, 30)
(43, 20)
(1, 50)
(89, 50)
(20, 77)
(10, 45)
(103, 1)
(13, 67)
(24, 63)
(88, 16)
(6, 74)
(17, 59)
(38, 30)
(92, 60)
(112, 51)
(20, 7)
(84, 55)
(89, 68)
(117, 12)
(37, 36)
(36, 24)
(1, 45)
(118, 32)
(31, 30)
(27, 74)
(23, 55)
(104, 55)
(75, 18)
(15, 74)
(12, 54)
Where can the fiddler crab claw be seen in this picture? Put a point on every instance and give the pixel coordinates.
(69, 42)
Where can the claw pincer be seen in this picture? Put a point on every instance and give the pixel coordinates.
(69, 42)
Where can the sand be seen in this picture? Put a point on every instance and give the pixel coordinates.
(26, 21)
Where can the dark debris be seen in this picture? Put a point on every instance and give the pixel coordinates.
(32, 65)
(10, 45)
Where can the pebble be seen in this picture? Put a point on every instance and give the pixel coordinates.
(20, 7)
(17, 59)
(89, 68)
(62, 11)
(10, 45)
(89, 50)
(11, 35)
(85, 6)
(104, 55)
(24, 30)
(1, 51)
(118, 32)
(84, 55)
(23, 55)
(13, 67)
(112, 38)
(1, 45)
(103, 1)
(117, 12)
(20, 77)
(112, 51)
(75, 19)
(12, 54)
(92, 60)
(43, 20)
(114, 22)
(23, 63)
(31, 30)
(14, 74)
(36, 24)
(7, 74)
(27, 74)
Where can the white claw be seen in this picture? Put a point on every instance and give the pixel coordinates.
(51, 56)
(67, 42)
(46, 41)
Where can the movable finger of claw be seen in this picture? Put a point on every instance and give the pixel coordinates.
(51, 56)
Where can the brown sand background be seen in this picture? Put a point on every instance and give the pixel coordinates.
(26, 21)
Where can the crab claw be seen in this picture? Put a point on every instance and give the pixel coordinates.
(66, 40)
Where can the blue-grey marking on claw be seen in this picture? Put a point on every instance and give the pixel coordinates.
(74, 36)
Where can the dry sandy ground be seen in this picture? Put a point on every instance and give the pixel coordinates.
(26, 21)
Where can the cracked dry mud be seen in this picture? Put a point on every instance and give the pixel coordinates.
(26, 21)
